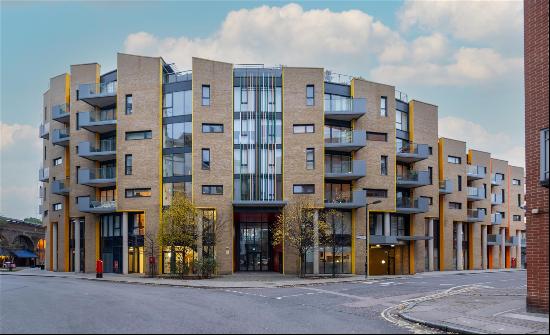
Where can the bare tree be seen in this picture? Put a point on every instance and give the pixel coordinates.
(295, 225)
(152, 250)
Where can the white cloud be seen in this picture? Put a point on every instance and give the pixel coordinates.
(468, 66)
(501, 145)
(467, 20)
(11, 134)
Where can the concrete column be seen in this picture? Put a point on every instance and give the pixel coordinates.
(484, 246)
(518, 250)
(316, 243)
(503, 248)
(199, 235)
(379, 227)
(125, 243)
(431, 244)
(387, 230)
(54, 246)
(77, 245)
(459, 259)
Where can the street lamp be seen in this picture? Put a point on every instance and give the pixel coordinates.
(367, 239)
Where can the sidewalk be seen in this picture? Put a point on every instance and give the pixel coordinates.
(237, 280)
(482, 310)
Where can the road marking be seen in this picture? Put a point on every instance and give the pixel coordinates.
(445, 284)
(499, 313)
(526, 317)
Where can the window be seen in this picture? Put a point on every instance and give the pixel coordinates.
(169, 189)
(212, 189)
(304, 128)
(503, 214)
(383, 106)
(519, 200)
(376, 193)
(430, 150)
(310, 158)
(58, 206)
(430, 200)
(303, 189)
(459, 183)
(483, 210)
(128, 104)
(544, 157)
(205, 159)
(516, 182)
(384, 165)
(310, 95)
(503, 193)
(45, 152)
(206, 95)
(176, 165)
(58, 161)
(177, 135)
(177, 103)
(401, 120)
(431, 172)
(138, 135)
(455, 205)
(212, 128)
(379, 137)
(517, 218)
(454, 160)
(128, 165)
(138, 192)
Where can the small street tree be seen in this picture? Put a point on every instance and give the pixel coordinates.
(178, 228)
(295, 226)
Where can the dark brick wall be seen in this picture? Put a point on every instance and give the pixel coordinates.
(536, 118)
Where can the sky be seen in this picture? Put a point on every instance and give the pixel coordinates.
(465, 57)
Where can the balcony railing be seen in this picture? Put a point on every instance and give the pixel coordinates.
(476, 193)
(496, 218)
(61, 113)
(494, 239)
(354, 199)
(407, 205)
(176, 77)
(98, 94)
(412, 178)
(44, 130)
(445, 186)
(99, 177)
(101, 121)
(401, 96)
(412, 152)
(347, 140)
(102, 151)
(476, 172)
(61, 137)
(475, 215)
(337, 78)
(496, 199)
(346, 170)
(60, 187)
(44, 174)
(345, 108)
(88, 205)
(496, 180)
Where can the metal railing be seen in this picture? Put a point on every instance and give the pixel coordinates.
(476, 192)
(104, 145)
(62, 133)
(102, 204)
(496, 179)
(410, 175)
(475, 214)
(337, 78)
(401, 96)
(408, 202)
(345, 136)
(106, 172)
(176, 77)
(92, 89)
(476, 170)
(59, 110)
(103, 115)
(44, 129)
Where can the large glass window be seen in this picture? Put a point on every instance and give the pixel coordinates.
(401, 120)
(177, 134)
(310, 95)
(399, 225)
(383, 106)
(138, 135)
(206, 95)
(177, 103)
(205, 164)
(337, 192)
(212, 128)
(303, 189)
(176, 165)
(338, 163)
(169, 189)
(336, 256)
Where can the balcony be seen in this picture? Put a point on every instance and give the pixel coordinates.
(512, 241)
(60, 113)
(412, 152)
(344, 108)
(523, 242)
(41, 209)
(98, 121)
(42, 192)
(60, 187)
(346, 171)
(475, 194)
(496, 199)
(496, 218)
(409, 206)
(106, 150)
(44, 131)
(355, 199)
(347, 141)
(445, 186)
(100, 177)
(494, 239)
(44, 174)
(98, 94)
(496, 180)
(412, 179)
(476, 172)
(61, 137)
(475, 215)
(87, 205)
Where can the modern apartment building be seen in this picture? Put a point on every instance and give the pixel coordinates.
(243, 141)
(536, 151)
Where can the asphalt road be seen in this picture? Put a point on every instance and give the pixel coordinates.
(59, 305)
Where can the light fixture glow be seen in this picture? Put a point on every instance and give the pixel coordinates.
(383, 262)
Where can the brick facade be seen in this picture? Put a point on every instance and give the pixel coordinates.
(536, 118)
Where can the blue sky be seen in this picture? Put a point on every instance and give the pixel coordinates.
(455, 55)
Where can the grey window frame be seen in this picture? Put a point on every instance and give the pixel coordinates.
(205, 165)
(205, 101)
(128, 167)
(383, 165)
(371, 136)
(128, 110)
(310, 163)
(303, 189)
(376, 193)
(56, 160)
(58, 206)
(310, 100)
(208, 189)
(455, 205)
(146, 135)
(459, 183)
(306, 127)
(454, 159)
(134, 192)
(209, 128)
(384, 110)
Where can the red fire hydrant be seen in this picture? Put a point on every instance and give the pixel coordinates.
(99, 269)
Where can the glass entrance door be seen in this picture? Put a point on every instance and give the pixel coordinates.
(254, 245)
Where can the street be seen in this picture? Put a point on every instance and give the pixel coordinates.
(62, 305)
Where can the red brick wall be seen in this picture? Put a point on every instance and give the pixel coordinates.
(536, 118)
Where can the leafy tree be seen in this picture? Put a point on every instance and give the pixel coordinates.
(295, 226)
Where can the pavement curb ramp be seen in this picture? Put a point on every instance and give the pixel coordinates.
(440, 325)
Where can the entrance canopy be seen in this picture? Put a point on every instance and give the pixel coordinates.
(23, 253)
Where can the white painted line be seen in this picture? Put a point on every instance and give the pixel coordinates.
(513, 309)
(445, 284)
(526, 317)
